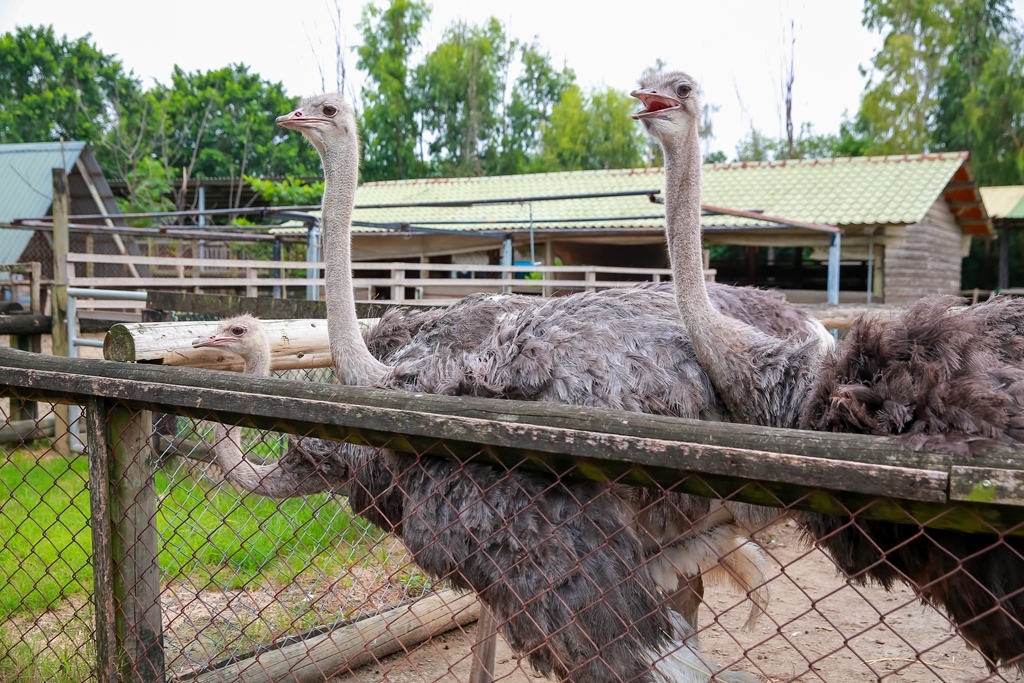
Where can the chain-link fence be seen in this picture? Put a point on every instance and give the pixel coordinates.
(658, 549)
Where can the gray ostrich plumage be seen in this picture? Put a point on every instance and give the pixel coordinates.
(532, 350)
(935, 377)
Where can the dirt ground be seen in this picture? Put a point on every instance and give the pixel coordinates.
(817, 629)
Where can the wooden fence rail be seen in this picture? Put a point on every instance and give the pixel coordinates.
(833, 473)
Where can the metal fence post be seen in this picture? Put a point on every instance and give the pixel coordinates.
(136, 574)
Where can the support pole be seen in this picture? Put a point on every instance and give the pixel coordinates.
(833, 268)
(59, 299)
(136, 575)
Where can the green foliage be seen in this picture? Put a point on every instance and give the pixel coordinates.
(591, 133)
(288, 192)
(53, 88)
(757, 146)
(535, 93)
(389, 127)
(460, 89)
(902, 90)
(220, 123)
(995, 112)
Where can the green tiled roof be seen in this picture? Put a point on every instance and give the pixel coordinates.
(1004, 201)
(845, 191)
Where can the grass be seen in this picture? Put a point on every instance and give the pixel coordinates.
(206, 535)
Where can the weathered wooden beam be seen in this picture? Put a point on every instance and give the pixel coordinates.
(224, 306)
(355, 645)
(791, 468)
(138, 625)
(293, 344)
(19, 431)
(25, 323)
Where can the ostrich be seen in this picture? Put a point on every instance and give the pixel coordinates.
(934, 378)
(245, 336)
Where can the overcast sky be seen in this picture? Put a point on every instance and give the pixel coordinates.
(734, 48)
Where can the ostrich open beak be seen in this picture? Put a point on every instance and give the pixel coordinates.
(655, 104)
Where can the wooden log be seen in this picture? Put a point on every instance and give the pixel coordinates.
(360, 643)
(776, 467)
(293, 344)
(25, 324)
(138, 626)
(19, 431)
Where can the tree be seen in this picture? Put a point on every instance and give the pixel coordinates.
(460, 89)
(995, 111)
(56, 88)
(388, 127)
(220, 124)
(591, 133)
(902, 90)
(535, 93)
(981, 27)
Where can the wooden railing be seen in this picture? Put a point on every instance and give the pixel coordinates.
(440, 283)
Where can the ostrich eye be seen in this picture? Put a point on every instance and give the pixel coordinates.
(683, 90)
(330, 110)
(238, 330)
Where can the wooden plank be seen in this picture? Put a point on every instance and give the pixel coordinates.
(20, 431)
(135, 570)
(222, 306)
(521, 435)
(26, 323)
(132, 268)
(59, 298)
(102, 555)
(355, 645)
(986, 485)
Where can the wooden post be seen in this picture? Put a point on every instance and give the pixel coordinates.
(59, 299)
(31, 342)
(485, 648)
(102, 565)
(138, 628)
(398, 289)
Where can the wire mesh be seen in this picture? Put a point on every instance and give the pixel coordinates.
(252, 586)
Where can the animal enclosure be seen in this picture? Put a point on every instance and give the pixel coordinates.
(162, 574)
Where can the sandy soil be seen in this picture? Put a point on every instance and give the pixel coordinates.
(817, 629)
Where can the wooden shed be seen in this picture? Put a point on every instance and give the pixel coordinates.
(906, 220)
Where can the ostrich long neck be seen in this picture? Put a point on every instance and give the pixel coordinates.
(266, 480)
(761, 379)
(352, 360)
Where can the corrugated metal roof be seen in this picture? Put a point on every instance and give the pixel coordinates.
(26, 186)
(845, 191)
(1004, 201)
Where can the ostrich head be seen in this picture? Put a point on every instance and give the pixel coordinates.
(245, 336)
(327, 121)
(670, 104)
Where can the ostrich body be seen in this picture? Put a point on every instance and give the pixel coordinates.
(934, 377)
(553, 561)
